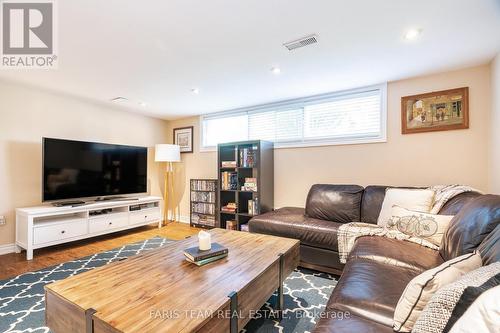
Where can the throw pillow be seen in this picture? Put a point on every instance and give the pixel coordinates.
(449, 304)
(482, 316)
(412, 199)
(430, 227)
(420, 289)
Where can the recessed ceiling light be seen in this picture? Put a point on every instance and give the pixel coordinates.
(195, 91)
(143, 104)
(276, 70)
(119, 99)
(412, 34)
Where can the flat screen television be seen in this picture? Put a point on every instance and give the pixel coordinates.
(78, 169)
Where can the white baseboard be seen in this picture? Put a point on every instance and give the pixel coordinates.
(184, 219)
(7, 248)
(181, 218)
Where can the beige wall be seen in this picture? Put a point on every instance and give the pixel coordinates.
(495, 123)
(459, 156)
(27, 115)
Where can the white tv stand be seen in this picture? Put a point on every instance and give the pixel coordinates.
(43, 226)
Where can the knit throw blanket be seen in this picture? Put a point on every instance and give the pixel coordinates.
(349, 232)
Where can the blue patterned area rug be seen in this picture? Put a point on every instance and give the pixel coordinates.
(22, 303)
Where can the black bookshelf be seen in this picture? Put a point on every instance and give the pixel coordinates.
(203, 203)
(258, 165)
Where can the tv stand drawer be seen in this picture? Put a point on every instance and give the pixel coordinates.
(56, 232)
(148, 215)
(108, 222)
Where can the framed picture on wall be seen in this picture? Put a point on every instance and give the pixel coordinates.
(183, 137)
(436, 111)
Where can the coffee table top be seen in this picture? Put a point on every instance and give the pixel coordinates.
(129, 294)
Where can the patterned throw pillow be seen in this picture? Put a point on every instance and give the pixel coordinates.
(420, 289)
(482, 316)
(414, 199)
(430, 227)
(450, 302)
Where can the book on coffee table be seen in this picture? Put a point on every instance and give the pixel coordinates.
(194, 254)
(208, 260)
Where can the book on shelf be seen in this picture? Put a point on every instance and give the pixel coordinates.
(228, 164)
(206, 220)
(231, 225)
(229, 208)
(229, 180)
(203, 202)
(250, 185)
(208, 197)
(247, 157)
(203, 185)
(203, 208)
(207, 261)
(253, 206)
(194, 253)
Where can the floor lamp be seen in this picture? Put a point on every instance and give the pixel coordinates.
(169, 154)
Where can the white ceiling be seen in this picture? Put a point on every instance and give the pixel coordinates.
(157, 51)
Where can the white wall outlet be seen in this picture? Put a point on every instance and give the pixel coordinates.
(3, 220)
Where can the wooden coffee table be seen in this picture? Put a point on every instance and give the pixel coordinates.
(158, 291)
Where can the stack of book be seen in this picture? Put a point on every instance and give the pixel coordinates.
(253, 206)
(247, 157)
(229, 180)
(229, 208)
(202, 185)
(203, 208)
(198, 257)
(231, 225)
(203, 196)
(228, 164)
(250, 185)
(207, 220)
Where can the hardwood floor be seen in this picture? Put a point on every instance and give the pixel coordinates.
(15, 263)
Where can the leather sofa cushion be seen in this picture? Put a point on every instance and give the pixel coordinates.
(471, 225)
(373, 197)
(490, 247)
(327, 259)
(455, 204)
(337, 203)
(291, 222)
(332, 322)
(370, 289)
(395, 252)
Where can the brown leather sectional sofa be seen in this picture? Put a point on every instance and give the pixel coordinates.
(378, 269)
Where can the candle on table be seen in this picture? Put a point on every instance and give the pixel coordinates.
(204, 239)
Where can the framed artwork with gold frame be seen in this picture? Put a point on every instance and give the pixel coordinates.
(435, 111)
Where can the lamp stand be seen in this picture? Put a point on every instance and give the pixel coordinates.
(168, 196)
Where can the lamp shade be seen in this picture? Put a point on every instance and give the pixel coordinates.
(167, 153)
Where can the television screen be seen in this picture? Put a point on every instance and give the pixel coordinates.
(76, 169)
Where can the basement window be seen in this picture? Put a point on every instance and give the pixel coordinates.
(347, 117)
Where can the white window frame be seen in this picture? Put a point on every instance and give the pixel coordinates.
(301, 102)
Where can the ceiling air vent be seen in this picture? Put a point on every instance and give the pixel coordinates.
(295, 44)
